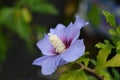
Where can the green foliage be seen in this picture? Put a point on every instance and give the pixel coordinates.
(103, 52)
(114, 62)
(118, 47)
(74, 75)
(17, 20)
(3, 46)
(40, 6)
(105, 73)
(5, 14)
(110, 18)
(40, 30)
(84, 59)
(94, 15)
(116, 75)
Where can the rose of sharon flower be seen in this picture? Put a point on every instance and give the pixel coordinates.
(60, 46)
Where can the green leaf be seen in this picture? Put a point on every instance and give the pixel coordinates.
(84, 60)
(74, 75)
(40, 30)
(112, 32)
(94, 15)
(26, 15)
(115, 74)
(118, 47)
(3, 46)
(103, 52)
(7, 18)
(40, 6)
(24, 31)
(110, 18)
(118, 29)
(105, 73)
(44, 8)
(114, 62)
(5, 14)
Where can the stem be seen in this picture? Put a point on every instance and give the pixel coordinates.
(91, 71)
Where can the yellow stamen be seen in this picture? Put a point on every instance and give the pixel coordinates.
(56, 43)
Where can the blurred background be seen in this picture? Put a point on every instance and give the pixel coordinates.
(24, 22)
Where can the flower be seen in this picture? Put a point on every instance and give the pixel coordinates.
(60, 46)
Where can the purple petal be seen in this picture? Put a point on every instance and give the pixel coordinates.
(39, 60)
(75, 51)
(45, 46)
(73, 30)
(50, 65)
(62, 62)
(80, 22)
(59, 31)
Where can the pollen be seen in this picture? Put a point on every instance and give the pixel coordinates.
(56, 43)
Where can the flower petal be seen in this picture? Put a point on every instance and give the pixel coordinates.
(50, 65)
(39, 60)
(59, 31)
(45, 46)
(75, 51)
(73, 30)
(62, 62)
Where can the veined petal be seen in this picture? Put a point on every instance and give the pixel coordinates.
(62, 62)
(73, 30)
(39, 60)
(75, 51)
(50, 65)
(80, 22)
(45, 46)
(59, 31)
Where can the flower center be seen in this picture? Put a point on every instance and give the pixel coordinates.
(56, 43)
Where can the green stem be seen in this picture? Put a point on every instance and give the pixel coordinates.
(91, 71)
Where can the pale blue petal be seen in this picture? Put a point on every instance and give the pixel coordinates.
(40, 60)
(59, 31)
(45, 46)
(75, 51)
(50, 65)
(79, 22)
(73, 30)
(62, 62)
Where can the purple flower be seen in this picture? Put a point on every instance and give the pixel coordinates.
(60, 46)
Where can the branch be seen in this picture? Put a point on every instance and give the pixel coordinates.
(91, 71)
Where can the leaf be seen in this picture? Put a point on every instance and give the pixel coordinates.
(74, 75)
(7, 18)
(26, 15)
(105, 73)
(114, 62)
(24, 31)
(40, 30)
(94, 15)
(5, 14)
(118, 47)
(40, 6)
(44, 8)
(84, 59)
(112, 32)
(103, 52)
(118, 29)
(3, 46)
(110, 18)
(116, 75)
